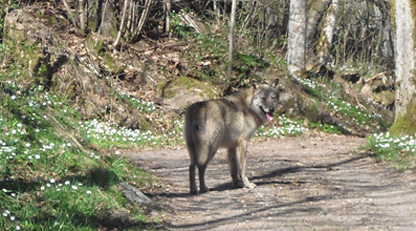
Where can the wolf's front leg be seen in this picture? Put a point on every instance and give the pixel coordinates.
(234, 168)
(241, 155)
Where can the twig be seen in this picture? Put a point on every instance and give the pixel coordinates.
(69, 12)
(142, 19)
(121, 26)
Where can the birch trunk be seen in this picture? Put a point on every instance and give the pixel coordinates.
(82, 15)
(231, 37)
(296, 37)
(167, 8)
(405, 92)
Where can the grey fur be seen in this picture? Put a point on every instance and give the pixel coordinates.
(228, 122)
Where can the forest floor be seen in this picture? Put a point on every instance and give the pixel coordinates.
(322, 182)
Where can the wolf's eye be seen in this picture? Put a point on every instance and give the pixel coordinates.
(263, 98)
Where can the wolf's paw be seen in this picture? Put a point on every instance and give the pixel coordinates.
(250, 185)
(204, 190)
(238, 184)
(247, 183)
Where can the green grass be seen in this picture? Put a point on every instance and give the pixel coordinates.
(285, 127)
(143, 106)
(331, 129)
(48, 180)
(338, 103)
(401, 151)
(104, 135)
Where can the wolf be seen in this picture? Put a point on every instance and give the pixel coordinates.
(229, 123)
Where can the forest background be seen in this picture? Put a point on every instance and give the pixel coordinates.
(81, 81)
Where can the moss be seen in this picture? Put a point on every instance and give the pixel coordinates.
(99, 46)
(405, 124)
(169, 89)
(144, 125)
(386, 98)
(52, 21)
(160, 87)
(111, 64)
(312, 112)
(33, 62)
(392, 13)
(92, 24)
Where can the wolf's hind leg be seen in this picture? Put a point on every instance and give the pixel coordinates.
(201, 171)
(192, 181)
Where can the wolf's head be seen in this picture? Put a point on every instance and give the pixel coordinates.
(265, 100)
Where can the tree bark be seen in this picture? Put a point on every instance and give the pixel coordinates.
(386, 34)
(82, 22)
(167, 9)
(325, 40)
(231, 37)
(117, 41)
(296, 37)
(101, 23)
(405, 92)
(315, 14)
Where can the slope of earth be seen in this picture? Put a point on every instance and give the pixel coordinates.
(303, 183)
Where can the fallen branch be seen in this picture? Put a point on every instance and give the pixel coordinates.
(377, 75)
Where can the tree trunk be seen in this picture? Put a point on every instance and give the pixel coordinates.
(167, 9)
(386, 34)
(116, 43)
(231, 37)
(405, 92)
(325, 40)
(315, 14)
(82, 15)
(296, 37)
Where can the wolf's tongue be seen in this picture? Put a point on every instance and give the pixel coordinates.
(269, 117)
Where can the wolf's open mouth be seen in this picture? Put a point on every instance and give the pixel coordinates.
(269, 115)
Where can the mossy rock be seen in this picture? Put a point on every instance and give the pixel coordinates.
(289, 104)
(385, 98)
(25, 36)
(184, 91)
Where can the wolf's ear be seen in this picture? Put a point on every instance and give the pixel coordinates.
(275, 83)
(254, 84)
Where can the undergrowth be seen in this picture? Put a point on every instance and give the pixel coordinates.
(48, 179)
(401, 151)
(208, 60)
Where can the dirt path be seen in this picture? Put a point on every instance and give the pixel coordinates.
(302, 184)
